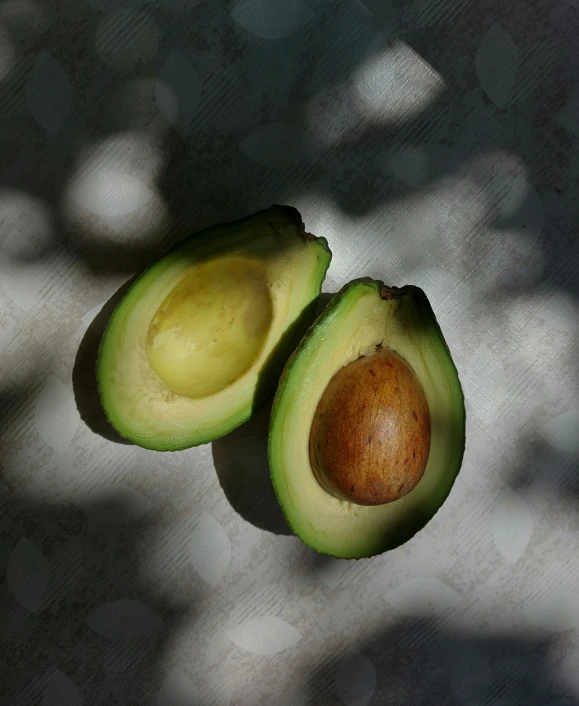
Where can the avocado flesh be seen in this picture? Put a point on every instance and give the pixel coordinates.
(363, 315)
(199, 340)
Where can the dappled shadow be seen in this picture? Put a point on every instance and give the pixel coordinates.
(343, 144)
(548, 469)
(128, 153)
(240, 460)
(123, 141)
(77, 623)
(423, 662)
(84, 380)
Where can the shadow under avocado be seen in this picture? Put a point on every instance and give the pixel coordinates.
(84, 382)
(241, 464)
(274, 365)
(240, 458)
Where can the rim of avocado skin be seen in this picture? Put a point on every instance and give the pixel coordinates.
(137, 402)
(344, 331)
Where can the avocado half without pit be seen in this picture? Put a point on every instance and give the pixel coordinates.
(367, 430)
(200, 339)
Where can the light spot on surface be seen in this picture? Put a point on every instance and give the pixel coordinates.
(56, 415)
(557, 611)
(265, 635)
(534, 323)
(396, 83)
(511, 259)
(450, 296)
(210, 550)
(485, 383)
(112, 193)
(511, 526)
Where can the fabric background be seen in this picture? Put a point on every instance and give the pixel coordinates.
(433, 143)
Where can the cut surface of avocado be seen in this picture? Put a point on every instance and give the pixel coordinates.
(199, 340)
(363, 317)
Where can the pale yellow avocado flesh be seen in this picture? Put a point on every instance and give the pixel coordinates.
(356, 321)
(212, 326)
(193, 344)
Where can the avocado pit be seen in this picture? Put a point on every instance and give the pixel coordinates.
(370, 436)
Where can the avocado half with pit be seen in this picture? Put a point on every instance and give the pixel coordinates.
(200, 339)
(367, 430)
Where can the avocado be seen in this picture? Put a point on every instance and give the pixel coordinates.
(367, 429)
(199, 340)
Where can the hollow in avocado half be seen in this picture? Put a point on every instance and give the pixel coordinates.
(199, 340)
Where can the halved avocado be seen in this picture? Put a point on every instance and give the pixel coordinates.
(200, 339)
(364, 317)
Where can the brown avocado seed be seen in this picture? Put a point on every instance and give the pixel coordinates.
(370, 437)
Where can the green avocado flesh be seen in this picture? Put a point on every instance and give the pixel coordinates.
(199, 340)
(362, 316)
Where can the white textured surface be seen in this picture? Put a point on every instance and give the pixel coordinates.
(264, 636)
(433, 143)
(210, 549)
